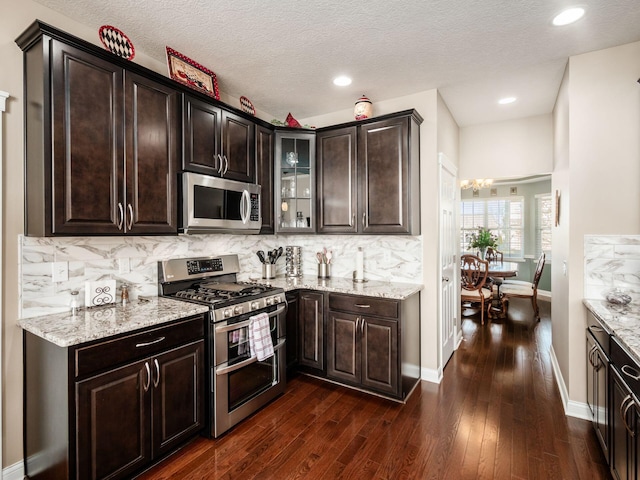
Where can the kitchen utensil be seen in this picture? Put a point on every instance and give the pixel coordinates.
(274, 255)
(319, 256)
(329, 256)
(260, 254)
(279, 254)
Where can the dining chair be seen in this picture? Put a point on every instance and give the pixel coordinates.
(473, 277)
(493, 255)
(520, 289)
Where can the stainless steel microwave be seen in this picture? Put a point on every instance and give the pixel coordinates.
(216, 205)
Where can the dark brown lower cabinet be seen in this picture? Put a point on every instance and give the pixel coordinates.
(292, 332)
(373, 343)
(624, 390)
(363, 350)
(311, 330)
(129, 401)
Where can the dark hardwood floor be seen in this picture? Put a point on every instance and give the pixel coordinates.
(496, 414)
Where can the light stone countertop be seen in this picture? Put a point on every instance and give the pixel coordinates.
(622, 321)
(65, 330)
(89, 324)
(371, 288)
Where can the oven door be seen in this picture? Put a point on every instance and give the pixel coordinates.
(241, 383)
(216, 204)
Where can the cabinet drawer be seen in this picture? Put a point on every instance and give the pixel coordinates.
(624, 363)
(109, 353)
(380, 307)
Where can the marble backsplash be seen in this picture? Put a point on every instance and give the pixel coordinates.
(390, 258)
(611, 261)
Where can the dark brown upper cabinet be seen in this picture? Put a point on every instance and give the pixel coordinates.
(265, 176)
(102, 143)
(368, 176)
(218, 142)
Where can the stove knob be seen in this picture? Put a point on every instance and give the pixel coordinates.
(237, 310)
(276, 299)
(255, 305)
(227, 312)
(269, 301)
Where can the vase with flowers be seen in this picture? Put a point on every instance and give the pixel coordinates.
(482, 239)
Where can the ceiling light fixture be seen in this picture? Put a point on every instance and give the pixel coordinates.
(476, 183)
(506, 100)
(342, 81)
(568, 16)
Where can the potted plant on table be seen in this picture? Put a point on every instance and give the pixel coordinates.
(482, 239)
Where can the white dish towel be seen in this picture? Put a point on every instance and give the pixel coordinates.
(260, 337)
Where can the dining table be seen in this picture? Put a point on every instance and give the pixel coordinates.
(503, 269)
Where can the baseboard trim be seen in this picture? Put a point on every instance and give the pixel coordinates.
(431, 375)
(13, 472)
(571, 407)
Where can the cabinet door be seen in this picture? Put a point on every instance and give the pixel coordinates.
(591, 378)
(178, 394)
(343, 347)
(295, 158)
(336, 181)
(292, 331)
(620, 447)
(383, 176)
(264, 161)
(311, 323)
(238, 148)
(152, 118)
(201, 137)
(113, 422)
(380, 355)
(87, 143)
(601, 411)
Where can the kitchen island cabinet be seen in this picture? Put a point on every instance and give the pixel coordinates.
(368, 176)
(102, 142)
(109, 407)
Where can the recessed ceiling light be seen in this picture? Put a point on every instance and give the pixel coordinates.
(342, 81)
(568, 16)
(506, 100)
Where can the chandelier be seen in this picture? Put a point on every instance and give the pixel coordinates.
(476, 183)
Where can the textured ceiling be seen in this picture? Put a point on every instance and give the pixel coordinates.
(283, 54)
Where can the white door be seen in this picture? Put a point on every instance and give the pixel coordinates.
(448, 301)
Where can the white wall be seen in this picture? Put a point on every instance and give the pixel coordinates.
(604, 165)
(515, 148)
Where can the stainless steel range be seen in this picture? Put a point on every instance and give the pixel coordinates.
(238, 384)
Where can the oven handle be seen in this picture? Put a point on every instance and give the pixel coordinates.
(248, 361)
(236, 326)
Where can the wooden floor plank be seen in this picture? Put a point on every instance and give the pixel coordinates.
(497, 414)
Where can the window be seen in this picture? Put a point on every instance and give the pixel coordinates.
(544, 215)
(503, 216)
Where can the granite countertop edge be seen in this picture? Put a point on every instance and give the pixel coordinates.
(89, 324)
(623, 322)
(370, 288)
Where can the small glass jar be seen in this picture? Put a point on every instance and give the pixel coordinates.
(74, 303)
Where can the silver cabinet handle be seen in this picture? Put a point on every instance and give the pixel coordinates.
(362, 323)
(120, 215)
(226, 165)
(146, 344)
(596, 328)
(362, 305)
(591, 352)
(623, 412)
(221, 164)
(156, 381)
(353, 219)
(146, 385)
(363, 217)
(130, 222)
(630, 372)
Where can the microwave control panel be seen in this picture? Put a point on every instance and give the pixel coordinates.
(255, 207)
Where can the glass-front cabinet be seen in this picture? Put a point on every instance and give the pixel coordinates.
(295, 182)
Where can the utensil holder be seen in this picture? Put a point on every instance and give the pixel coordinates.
(268, 270)
(293, 261)
(324, 270)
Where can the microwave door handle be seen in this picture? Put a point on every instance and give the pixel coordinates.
(245, 206)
